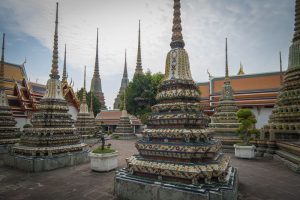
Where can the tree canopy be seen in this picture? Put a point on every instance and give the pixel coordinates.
(247, 126)
(141, 94)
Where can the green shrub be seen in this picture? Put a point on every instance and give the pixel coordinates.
(247, 126)
(105, 150)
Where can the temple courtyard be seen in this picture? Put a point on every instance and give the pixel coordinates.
(260, 178)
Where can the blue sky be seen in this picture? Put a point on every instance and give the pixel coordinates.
(256, 29)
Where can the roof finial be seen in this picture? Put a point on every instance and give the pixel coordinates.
(54, 69)
(96, 70)
(226, 62)
(281, 75)
(64, 75)
(125, 74)
(139, 68)
(2, 58)
(177, 39)
(84, 91)
(297, 22)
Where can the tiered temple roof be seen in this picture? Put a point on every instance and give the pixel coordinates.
(224, 121)
(52, 132)
(124, 85)
(85, 123)
(176, 147)
(8, 132)
(96, 86)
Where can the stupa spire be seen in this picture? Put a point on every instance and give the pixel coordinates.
(280, 64)
(125, 74)
(139, 67)
(96, 69)
(177, 39)
(54, 68)
(84, 88)
(226, 61)
(64, 75)
(92, 105)
(297, 22)
(2, 58)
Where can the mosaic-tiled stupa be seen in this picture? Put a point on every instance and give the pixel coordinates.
(124, 129)
(51, 142)
(224, 121)
(85, 123)
(177, 157)
(8, 132)
(124, 85)
(283, 129)
(139, 67)
(96, 85)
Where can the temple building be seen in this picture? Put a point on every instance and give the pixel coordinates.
(177, 157)
(24, 96)
(124, 85)
(108, 120)
(257, 92)
(9, 133)
(96, 86)
(224, 123)
(139, 67)
(281, 136)
(51, 142)
(124, 129)
(85, 123)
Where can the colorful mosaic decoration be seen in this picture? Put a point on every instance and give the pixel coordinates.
(8, 132)
(224, 121)
(176, 147)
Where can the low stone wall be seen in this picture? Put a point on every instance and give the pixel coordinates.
(38, 164)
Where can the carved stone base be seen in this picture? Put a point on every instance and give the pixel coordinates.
(38, 164)
(292, 161)
(132, 187)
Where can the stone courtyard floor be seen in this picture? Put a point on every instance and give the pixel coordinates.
(259, 179)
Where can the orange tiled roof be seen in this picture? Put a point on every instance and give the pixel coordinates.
(112, 117)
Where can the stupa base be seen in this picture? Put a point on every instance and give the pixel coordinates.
(132, 187)
(292, 161)
(123, 136)
(38, 164)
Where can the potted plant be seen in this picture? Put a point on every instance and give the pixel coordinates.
(247, 133)
(103, 158)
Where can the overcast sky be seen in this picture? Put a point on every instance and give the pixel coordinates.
(256, 29)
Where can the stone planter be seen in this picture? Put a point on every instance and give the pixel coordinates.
(103, 162)
(244, 151)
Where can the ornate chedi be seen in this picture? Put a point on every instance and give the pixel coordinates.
(139, 67)
(283, 129)
(96, 86)
(124, 84)
(85, 123)
(224, 121)
(8, 132)
(177, 157)
(51, 142)
(124, 129)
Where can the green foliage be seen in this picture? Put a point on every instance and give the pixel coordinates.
(105, 150)
(141, 94)
(115, 137)
(27, 126)
(96, 103)
(247, 127)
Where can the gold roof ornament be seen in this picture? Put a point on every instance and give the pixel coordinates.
(241, 70)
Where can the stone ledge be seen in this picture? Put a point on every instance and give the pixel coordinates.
(135, 188)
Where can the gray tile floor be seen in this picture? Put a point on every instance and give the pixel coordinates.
(260, 179)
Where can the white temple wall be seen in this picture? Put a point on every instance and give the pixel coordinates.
(262, 115)
(73, 111)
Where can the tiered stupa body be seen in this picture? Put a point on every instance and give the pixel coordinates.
(124, 85)
(96, 86)
(124, 129)
(52, 142)
(85, 123)
(224, 121)
(8, 132)
(139, 67)
(283, 129)
(177, 156)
